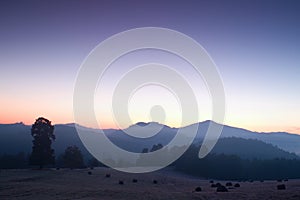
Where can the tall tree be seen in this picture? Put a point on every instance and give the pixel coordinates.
(43, 136)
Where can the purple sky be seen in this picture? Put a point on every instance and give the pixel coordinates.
(255, 44)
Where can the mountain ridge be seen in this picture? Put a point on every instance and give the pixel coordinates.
(72, 124)
(66, 134)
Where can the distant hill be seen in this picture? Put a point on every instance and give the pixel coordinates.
(286, 141)
(15, 138)
(250, 149)
(134, 144)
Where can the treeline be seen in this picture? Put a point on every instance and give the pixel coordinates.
(18, 161)
(232, 167)
(250, 149)
(71, 158)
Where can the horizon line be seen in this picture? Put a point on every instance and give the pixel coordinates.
(223, 124)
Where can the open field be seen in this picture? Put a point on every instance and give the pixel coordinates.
(67, 184)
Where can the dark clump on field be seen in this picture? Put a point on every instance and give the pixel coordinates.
(228, 184)
(107, 175)
(134, 180)
(198, 189)
(154, 182)
(121, 182)
(281, 187)
(237, 185)
(218, 184)
(89, 173)
(222, 188)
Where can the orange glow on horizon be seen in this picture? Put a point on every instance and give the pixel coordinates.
(11, 119)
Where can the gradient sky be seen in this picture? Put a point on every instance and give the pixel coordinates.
(255, 44)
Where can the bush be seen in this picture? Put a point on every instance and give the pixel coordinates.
(72, 158)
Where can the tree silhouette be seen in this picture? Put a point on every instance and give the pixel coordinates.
(156, 147)
(73, 158)
(42, 133)
(145, 150)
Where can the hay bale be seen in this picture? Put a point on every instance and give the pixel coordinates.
(237, 185)
(218, 184)
(134, 180)
(228, 184)
(222, 188)
(281, 187)
(198, 189)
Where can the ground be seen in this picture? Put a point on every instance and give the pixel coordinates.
(67, 184)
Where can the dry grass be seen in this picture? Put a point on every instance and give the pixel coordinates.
(67, 184)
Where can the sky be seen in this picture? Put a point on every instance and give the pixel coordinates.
(255, 45)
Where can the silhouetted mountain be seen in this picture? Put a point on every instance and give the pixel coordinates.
(15, 138)
(164, 134)
(286, 141)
